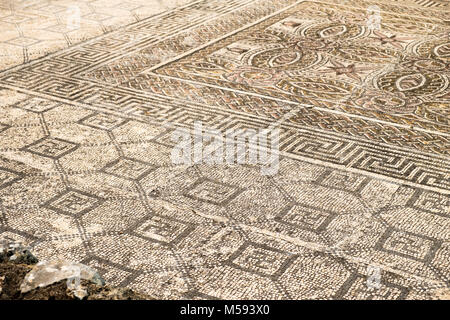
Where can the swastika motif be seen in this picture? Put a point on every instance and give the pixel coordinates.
(37, 105)
(102, 121)
(49, 147)
(431, 201)
(408, 244)
(212, 192)
(74, 203)
(305, 218)
(261, 260)
(128, 168)
(356, 286)
(160, 229)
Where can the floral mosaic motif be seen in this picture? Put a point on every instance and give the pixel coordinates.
(327, 52)
(350, 70)
(412, 83)
(393, 40)
(254, 76)
(436, 48)
(394, 103)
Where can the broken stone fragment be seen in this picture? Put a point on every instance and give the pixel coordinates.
(16, 252)
(46, 273)
(79, 293)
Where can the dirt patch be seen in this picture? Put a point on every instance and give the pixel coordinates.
(12, 275)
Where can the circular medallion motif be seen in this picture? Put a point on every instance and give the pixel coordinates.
(439, 49)
(365, 54)
(392, 103)
(282, 59)
(396, 25)
(302, 43)
(254, 76)
(412, 83)
(333, 31)
(426, 64)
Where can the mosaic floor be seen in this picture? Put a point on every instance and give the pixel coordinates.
(362, 194)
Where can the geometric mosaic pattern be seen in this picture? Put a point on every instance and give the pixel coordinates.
(364, 174)
(409, 245)
(8, 177)
(73, 202)
(212, 192)
(51, 147)
(36, 28)
(128, 168)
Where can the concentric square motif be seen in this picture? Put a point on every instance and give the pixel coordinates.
(355, 287)
(305, 217)
(163, 229)
(130, 169)
(53, 148)
(37, 105)
(74, 203)
(213, 192)
(261, 260)
(103, 121)
(409, 245)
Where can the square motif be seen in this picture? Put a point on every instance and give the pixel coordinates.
(129, 169)
(53, 8)
(97, 16)
(74, 203)
(127, 6)
(213, 192)
(15, 19)
(305, 217)
(344, 181)
(102, 121)
(3, 127)
(355, 287)
(23, 41)
(163, 229)
(408, 245)
(261, 260)
(112, 273)
(53, 148)
(37, 105)
(432, 202)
